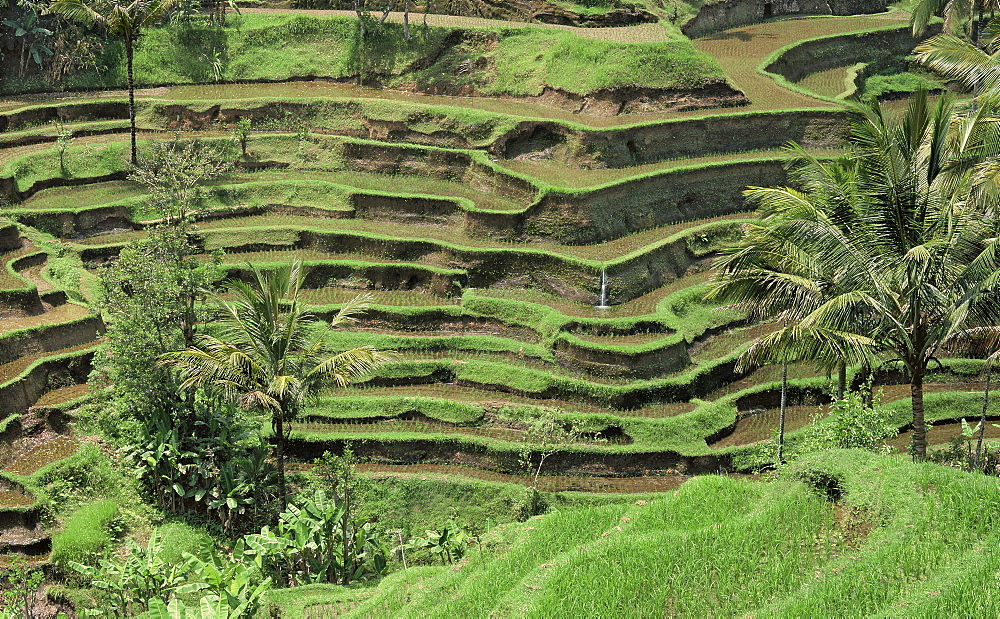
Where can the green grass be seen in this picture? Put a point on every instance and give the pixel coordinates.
(304, 600)
(85, 535)
(279, 47)
(530, 59)
(906, 540)
(274, 47)
(626, 559)
(81, 162)
(178, 538)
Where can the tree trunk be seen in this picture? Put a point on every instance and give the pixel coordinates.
(982, 418)
(917, 403)
(279, 454)
(977, 34)
(538, 471)
(361, 17)
(129, 51)
(841, 380)
(345, 521)
(406, 20)
(781, 412)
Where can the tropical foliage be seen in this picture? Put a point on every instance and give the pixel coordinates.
(207, 463)
(891, 251)
(268, 356)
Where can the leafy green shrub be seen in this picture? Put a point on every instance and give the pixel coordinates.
(86, 534)
(851, 425)
(881, 85)
(86, 474)
(20, 596)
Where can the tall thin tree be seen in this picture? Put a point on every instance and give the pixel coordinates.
(124, 20)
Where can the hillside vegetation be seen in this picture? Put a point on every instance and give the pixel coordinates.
(533, 216)
(498, 61)
(900, 540)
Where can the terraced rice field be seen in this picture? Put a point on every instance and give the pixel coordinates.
(562, 265)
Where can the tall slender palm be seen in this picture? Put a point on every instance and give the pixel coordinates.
(269, 355)
(124, 20)
(914, 262)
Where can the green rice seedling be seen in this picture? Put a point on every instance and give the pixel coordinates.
(86, 535)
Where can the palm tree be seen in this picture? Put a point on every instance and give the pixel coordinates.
(269, 355)
(965, 17)
(768, 264)
(124, 20)
(912, 263)
(974, 66)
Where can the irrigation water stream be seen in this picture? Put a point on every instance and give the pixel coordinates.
(603, 302)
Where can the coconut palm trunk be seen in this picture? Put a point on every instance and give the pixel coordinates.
(406, 20)
(841, 379)
(361, 18)
(279, 456)
(982, 417)
(130, 73)
(917, 405)
(781, 412)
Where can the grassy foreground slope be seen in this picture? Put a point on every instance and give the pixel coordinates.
(900, 539)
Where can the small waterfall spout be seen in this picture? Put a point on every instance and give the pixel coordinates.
(603, 303)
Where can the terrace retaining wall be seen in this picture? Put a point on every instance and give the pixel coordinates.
(697, 137)
(18, 395)
(10, 191)
(74, 112)
(726, 14)
(452, 451)
(618, 210)
(81, 223)
(21, 302)
(844, 50)
(50, 338)
(374, 277)
(10, 238)
(441, 320)
(614, 363)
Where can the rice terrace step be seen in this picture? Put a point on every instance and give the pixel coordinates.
(531, 204)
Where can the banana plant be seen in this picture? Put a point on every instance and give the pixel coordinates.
(303, 546)
(307, 544)
(195, 464)
(449, 543)
(236, 584)
(31, 34)
(143, 576)
(210, 607)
